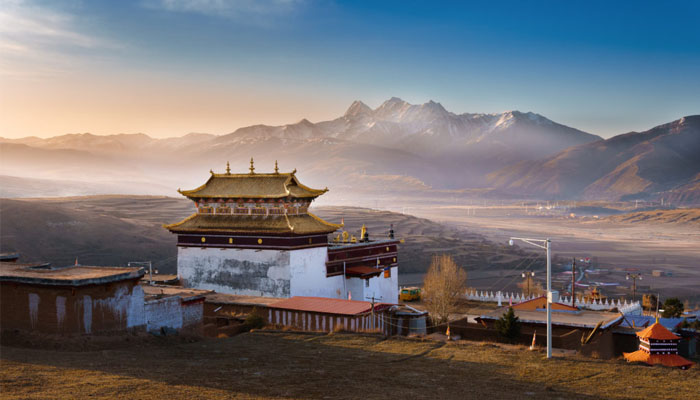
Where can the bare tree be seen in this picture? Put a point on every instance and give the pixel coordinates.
(444, 284)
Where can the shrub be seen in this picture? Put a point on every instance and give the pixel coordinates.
(508, 326)
(254, 320)
(673, 308)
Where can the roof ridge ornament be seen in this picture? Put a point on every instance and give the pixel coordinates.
(228, 168)
(277, 170)
(252, 167)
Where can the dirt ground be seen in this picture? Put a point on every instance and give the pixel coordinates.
(309, 366)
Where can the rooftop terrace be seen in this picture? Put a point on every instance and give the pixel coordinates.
(74, 275)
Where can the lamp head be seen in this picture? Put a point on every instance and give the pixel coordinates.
(510, 242)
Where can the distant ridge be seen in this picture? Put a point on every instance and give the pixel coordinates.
(662, 161)
(397, 148)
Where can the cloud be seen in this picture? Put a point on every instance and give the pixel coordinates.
(251, 11)
(36, 38)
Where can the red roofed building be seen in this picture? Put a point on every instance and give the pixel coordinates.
(540, 303)
(327, 314)
(658, 345)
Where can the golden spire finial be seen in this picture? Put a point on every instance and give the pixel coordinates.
(277, 170)
(228, 169)
(252, 168)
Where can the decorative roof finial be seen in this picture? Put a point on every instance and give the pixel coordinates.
(277, 170)
(228, 169)
(252, 168)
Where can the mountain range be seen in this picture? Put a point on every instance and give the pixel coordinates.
(397, 148)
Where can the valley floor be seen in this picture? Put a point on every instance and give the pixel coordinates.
(266, 364)
(619, 244)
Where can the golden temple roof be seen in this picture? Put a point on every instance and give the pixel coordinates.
(304, 224)
(253, 185)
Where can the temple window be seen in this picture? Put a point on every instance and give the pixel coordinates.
(259, 209)
(205, 209)
(223, 209)
(277, 210)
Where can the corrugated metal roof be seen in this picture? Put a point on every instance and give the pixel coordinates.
(327, 305)
(643, 321)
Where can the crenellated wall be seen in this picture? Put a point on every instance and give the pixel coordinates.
(625, 307)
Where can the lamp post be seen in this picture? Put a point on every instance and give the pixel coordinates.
(150, 268)
(544, 244)
(634, 278)
(528, 275)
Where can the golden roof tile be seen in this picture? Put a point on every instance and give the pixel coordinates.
(304, 224)
(253, 185)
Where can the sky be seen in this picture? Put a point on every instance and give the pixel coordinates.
(171, 67)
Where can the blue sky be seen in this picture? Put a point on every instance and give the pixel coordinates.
(169, 67)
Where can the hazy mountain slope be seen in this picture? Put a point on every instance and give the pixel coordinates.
(396, 147)
(113, 230)
(634, 164)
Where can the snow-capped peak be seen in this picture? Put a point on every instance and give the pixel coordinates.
(357, 108)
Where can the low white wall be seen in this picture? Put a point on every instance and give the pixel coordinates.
(165, 312)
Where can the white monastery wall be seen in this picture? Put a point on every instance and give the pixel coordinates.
(384, 290)
(308, 274)
(236, 271)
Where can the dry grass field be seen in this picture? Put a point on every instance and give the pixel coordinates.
(309, 366)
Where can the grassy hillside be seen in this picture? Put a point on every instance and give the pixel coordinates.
(113, 230)
(689, 216)
(268, 365)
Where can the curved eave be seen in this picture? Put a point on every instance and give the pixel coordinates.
(306, 192)
(329, 224)
(171, 227)
(312, 192)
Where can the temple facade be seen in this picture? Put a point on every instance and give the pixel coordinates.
(252, 234)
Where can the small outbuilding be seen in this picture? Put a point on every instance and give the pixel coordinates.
(658, 345)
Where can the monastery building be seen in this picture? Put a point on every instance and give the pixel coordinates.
(252, 234)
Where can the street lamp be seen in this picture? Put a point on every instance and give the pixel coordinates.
(150, 268)
(544, 244)
(634, 278)
(528, 274)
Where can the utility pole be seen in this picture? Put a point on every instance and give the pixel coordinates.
(372, 298)
(634, 278)
(150, 268)
(528, 275)
(573, 282)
